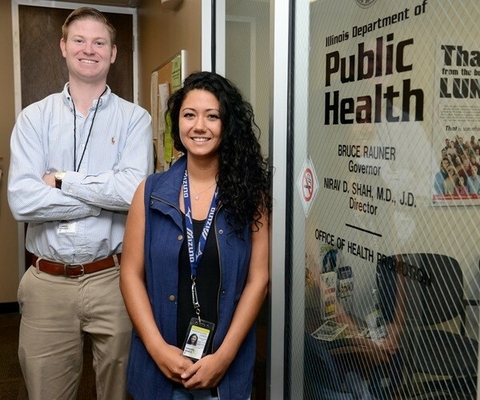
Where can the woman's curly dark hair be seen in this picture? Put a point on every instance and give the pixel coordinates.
(244, 177)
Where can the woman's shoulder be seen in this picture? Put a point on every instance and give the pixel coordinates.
(176, 169)
(154, 180)
(165, 183)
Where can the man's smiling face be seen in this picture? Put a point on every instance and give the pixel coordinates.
(88, 50)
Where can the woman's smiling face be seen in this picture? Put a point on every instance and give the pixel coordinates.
(200, 124)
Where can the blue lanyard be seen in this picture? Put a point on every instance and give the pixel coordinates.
(196, 255)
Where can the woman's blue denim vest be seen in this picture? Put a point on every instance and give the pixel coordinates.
(163, 239)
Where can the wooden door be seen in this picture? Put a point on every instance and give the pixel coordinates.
(43, 67)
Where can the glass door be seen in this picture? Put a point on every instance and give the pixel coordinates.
(386, 214)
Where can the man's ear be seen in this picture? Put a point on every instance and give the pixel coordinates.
(62, 47)
(113, 57)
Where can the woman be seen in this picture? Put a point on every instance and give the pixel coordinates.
(169, 286)
(450, 181)
(461, 189)
(192, 340)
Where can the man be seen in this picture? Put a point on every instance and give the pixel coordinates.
(76, 160)
(473, 181)
(441, 175)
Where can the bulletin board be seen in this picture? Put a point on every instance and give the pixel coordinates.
(165, 80)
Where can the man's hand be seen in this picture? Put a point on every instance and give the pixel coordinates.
(49, 179)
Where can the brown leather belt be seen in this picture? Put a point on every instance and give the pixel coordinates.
(74, 270)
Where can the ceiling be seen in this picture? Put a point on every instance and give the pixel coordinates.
(118, 3)
(135, 3)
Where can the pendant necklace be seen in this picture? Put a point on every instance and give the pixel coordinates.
(197, 195)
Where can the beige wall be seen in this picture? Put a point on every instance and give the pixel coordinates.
(8, 226)
(161, 34)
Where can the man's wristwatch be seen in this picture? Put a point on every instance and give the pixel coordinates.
(58, 179)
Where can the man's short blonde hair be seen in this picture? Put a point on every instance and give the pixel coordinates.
(88, 13)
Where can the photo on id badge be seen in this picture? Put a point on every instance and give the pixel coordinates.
(197, 338)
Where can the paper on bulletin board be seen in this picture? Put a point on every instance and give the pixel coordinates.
(176, 80)
(154, 103)
(176, 73)
(169, 78)
(161, 106)
(163, 95)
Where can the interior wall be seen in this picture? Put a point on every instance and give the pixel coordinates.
(163, 33)
(8, 226)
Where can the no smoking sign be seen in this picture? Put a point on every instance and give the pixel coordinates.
(307, 185)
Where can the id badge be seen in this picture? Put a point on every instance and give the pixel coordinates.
(198, 337)
(66, 227)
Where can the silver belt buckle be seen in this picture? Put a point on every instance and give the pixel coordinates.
(67, 267)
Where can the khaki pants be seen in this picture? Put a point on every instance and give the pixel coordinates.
(56, 313)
